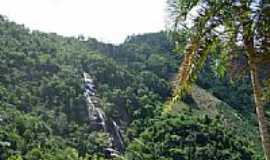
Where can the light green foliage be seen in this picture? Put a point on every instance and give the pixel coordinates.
(16, 157)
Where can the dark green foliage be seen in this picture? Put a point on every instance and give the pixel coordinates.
(237, 93)
(184, 137)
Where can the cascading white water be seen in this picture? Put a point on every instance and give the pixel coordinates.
(118, 134)
(98, 118)
(102, 117)
(95, 114)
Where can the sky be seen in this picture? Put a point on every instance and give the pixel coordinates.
(107, 20)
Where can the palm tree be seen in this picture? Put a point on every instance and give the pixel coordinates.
(226, 24)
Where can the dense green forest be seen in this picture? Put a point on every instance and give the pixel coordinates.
(43, 109)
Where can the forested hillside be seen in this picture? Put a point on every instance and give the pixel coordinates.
(44, 115)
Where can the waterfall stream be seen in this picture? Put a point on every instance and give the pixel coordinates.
(118, 136)
(98, 119)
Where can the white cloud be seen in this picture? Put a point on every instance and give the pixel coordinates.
(107, 20)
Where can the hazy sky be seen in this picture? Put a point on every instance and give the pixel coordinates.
(106, 20)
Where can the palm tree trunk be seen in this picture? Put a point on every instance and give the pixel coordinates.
(262, 120)
(251, 51)
(257, 94)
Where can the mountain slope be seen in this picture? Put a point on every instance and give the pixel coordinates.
(42, 93)
(202, 103)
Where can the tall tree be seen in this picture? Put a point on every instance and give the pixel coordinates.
(237, 28)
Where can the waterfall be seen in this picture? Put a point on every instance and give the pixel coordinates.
(102, 118)
(118, 136)
(98, 119)
(96, 115)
